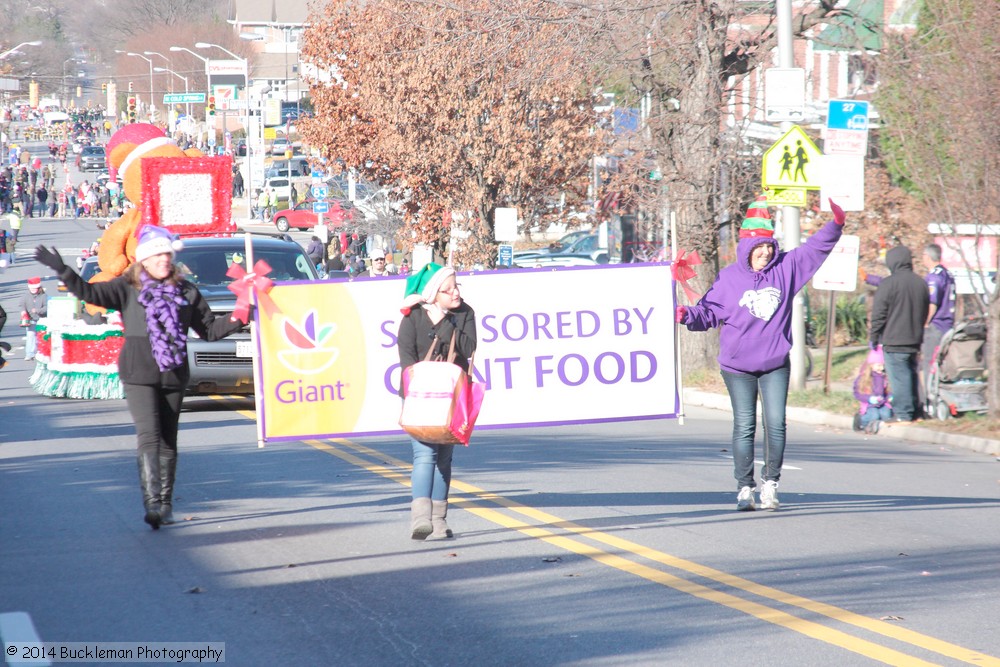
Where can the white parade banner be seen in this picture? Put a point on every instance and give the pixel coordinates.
(573, 345)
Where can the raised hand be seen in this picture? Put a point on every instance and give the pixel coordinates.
(50, 258)
(838, 213)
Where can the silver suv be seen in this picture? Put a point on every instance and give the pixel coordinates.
(226, 366)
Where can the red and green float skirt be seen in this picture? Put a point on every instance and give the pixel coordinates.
(78, 360)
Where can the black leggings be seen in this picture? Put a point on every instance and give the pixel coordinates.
(156, 412)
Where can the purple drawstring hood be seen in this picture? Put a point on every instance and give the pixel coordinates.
(754, 308)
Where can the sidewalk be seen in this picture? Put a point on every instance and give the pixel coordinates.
(989, 446)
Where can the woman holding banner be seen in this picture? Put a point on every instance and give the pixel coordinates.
(433, 311)
(751, 301)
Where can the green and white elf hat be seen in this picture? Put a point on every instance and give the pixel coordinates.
(422, 286)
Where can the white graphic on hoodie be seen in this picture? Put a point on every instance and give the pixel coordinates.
(762, 304)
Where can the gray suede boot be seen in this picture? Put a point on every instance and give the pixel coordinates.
(420, 518)
(439, 512)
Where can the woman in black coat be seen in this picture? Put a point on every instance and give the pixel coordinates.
(158, 306)
(433, 310)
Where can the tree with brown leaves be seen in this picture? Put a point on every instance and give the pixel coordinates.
(460, 109)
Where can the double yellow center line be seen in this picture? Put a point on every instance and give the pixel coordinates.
(641, 561)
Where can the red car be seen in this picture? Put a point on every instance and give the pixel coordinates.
(302, 216)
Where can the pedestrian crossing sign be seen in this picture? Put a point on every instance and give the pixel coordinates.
(792, 162)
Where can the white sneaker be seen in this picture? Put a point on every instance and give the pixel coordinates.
(769, 495)
(745, 501)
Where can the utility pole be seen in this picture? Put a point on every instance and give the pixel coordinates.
(790, 214)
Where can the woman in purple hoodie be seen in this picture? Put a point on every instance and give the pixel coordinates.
(751, 301)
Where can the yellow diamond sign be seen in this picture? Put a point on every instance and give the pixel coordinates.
(792, 162)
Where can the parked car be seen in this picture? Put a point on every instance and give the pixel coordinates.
(593, 258)
(90, 268)
(281, 187)
(302, 216)
(297, 166)
(280, 146)
(226, 366)
(92, 158)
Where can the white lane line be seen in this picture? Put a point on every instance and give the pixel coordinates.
(17, 630)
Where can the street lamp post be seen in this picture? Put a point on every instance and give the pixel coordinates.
(65, 94)
(152, 103)
(14, 50)
(204, 60)
(182, 78)
(155, 53)
(246, 126)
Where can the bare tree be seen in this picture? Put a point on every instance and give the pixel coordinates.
(941, 136)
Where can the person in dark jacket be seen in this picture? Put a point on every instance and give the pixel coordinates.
(158, 306)
(899, 312)
(433, 311)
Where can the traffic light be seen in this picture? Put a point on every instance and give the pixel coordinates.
(79, 91)
(130, 86)
(210, 107)
(104, 89)
(131, 110)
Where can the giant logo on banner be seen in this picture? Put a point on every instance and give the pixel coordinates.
(555, 347)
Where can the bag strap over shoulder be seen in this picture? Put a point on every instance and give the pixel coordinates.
(451, 348)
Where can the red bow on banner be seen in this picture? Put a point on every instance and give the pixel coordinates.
(243, 282)
(682, 271)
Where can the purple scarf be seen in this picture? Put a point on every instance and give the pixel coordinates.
(167, 337)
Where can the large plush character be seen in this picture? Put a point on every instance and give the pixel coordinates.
(181, 190)
(125, 150)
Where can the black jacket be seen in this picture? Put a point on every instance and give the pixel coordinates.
(901, 305)
(416, 333)
(136, 364)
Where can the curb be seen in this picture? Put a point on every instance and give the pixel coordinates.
(812, 416)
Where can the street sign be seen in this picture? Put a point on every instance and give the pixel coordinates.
(321, 207)
(320, 191)
(846, 128)
(505, 224)
(792, 162)
(843, 178)
(847, 115)
(184, 98)
(839, 271)
(506, 255)
(786, 196)
(317, 174)
(784, 94)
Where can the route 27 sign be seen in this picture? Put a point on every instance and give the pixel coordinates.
(792, 162)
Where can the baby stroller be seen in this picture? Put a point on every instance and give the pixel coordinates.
(956, 379)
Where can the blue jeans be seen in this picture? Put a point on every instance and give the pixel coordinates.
(901, 368)
(872, 413)
(431, 475)
(30, 342)
(743, 389)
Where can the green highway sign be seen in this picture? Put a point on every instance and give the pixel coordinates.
(183, 98)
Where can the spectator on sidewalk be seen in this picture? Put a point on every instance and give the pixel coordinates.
(872, 390)
(941, 313)
(899, 313)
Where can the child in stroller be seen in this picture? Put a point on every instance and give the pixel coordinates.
(872, 390)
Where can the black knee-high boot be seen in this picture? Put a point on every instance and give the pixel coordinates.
(168, 470)
(149, 482)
